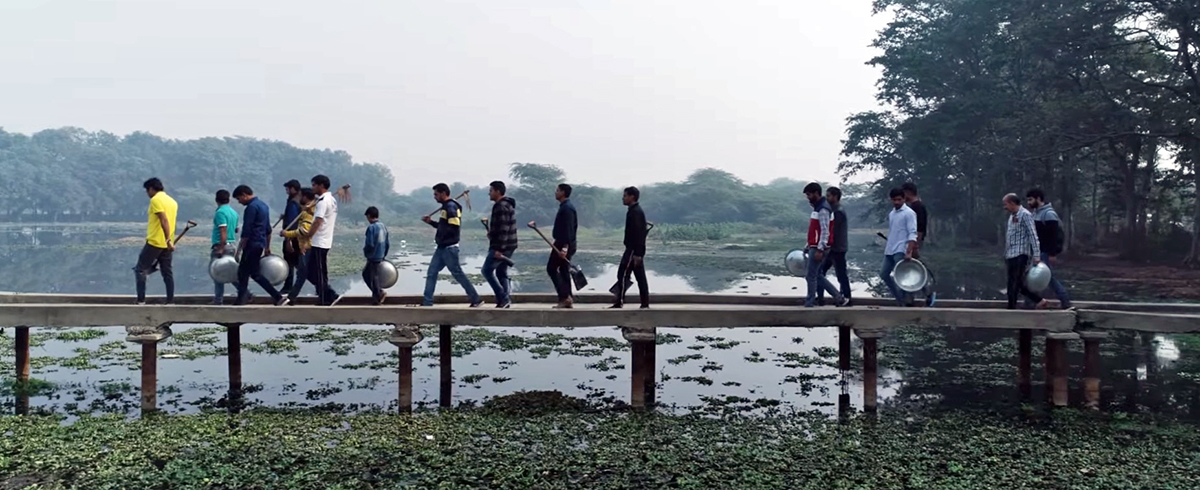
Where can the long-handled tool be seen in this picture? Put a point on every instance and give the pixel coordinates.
(507, 261)
(465, 194)
(615, 289)
(190, 224)
(577, 276)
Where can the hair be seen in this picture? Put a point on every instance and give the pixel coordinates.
(812, 188)
(499, 187)
(222, 196)
(895, 192)
(292, 184)
(633, 191)
(909, 187)
(322, 181)
(1036, 194)
(566, 189)
(372, 212)
(153, 184)
(1010, 197)
(835, 191)
(242, 190)
(308, 193)
(442, 188)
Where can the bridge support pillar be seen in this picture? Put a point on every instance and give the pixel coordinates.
(641, 364)
(1056, 362)
(1091, 367)
(233, 341)
(870, 336)
(844, 348)
(149, 337)
(405, 337)
(445, 358)
(1024, 362)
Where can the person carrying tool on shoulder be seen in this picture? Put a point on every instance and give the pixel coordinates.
(301, 234)
(566, 224)
(445, 256)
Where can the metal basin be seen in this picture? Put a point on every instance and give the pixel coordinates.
(796, 262)
(910, 275)
(1037, 278)
(387, 274)
(223, 269)
(274, 269)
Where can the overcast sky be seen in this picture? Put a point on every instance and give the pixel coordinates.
(614, 92)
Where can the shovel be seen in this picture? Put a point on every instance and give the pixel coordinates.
(507, 261)
(190, 224)
(576, 273)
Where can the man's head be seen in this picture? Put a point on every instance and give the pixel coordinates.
(897, 196)
(307, 196)
(1012, 203)
(152, 186)
(496, 190)
(372, 214)
(910, 192)
(222, 197)
(292, 187)
(1035, 198)
(320, 184)
(813, 192)
(243, 194)
(631, 196)
(562, 192)
(441, 192)
(833, 195)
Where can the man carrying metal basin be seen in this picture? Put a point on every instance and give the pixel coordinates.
(1050, 237)
(819, 241)
(1021, 245)
(256, 243)
(225, 224)
(901, 242)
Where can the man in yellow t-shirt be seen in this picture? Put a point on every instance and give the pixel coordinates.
(160, 228)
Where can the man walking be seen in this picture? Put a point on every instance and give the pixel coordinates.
(256, 243)
(445, 256)
(836, 258)
(324, 220)
(375, 249)
(291, 211)
(159, 248)
(913, 200)
(1050, 237)
(633, 261)
(566, 224)
(1021, 245)
(819, 241)
(302, 235)
(502, 242)
(901, 242)
(225, 224)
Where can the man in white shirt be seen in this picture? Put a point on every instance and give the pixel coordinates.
(324, 219)
(901, 241)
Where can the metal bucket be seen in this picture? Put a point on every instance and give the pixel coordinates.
(796, 262)
(1037, 278)
(223, 269)
(910, 275)
(387, 274)
(274, 269)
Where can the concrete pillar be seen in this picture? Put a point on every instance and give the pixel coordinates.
(1057, 359)
(405, 337)
(1024, 362)
(640, 339)
(1091, 367)
(650, 368)
(233, 341)
(870, 336)
(149, 337)
(445, 360)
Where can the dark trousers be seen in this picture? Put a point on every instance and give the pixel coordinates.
(560, 272)
(318, 274)
(301, 277)
(150, 258)
(1016, 281)
(248, 269)
(370, 275)
(836, 260)
(638, 270)
(294, 261)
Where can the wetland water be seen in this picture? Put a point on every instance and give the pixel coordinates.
(706, 371)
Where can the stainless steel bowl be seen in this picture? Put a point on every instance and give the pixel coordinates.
(796, 262)
(387, 274)
(1037, 278)
(223, 269)
(274, 269)
(910, 275)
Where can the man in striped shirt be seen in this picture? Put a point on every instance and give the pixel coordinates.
(1021, 245)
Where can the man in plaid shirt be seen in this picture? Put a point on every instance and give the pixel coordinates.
(1021, 245)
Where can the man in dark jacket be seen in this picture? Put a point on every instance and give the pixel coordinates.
(836, 258)
(291, 247)
(1050, 239)
(635, 250)
(559, 266)
(446, 255)
(502, 241)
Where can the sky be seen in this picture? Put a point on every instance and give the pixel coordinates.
(614, 92)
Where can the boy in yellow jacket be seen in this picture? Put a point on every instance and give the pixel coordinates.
(303, 239)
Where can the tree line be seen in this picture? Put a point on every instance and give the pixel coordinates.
(1097, 102)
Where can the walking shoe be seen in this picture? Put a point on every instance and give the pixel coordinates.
(476, 304)
(645, 307)
(1042, 305)
(844, 302)
(140, 303)
(382, 297)
(566, 303)
(616, 306)
(931, 300)
(506, 304)
(281, 301)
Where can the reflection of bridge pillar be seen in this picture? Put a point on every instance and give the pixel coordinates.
(641, 341)
(233, 340)
(22, 354)
(1056, 362)
(844, 348)
(445, 358)
(869, 337)
(1091, 366)
(405, 337)
(149, 337)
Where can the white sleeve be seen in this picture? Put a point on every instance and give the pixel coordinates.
(321, 210)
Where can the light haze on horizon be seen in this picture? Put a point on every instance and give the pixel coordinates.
(614, 92)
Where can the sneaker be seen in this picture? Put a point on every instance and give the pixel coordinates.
(140, 303)
(931, 300)
(382, 297)
(644, 307)
(844, 302)
(281, 301)
(476, 304)
(565, 304)
(506, 304)
(335, 300)
(616, 306)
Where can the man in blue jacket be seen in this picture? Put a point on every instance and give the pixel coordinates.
(566, 223)
(445, 256)
(375, 249)
(1050, 239)
(255, 244)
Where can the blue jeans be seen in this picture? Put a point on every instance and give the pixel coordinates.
(218, 287)
(817, 280)
(889, 263)
(447, 258)
(496, 273)
(1060, 291)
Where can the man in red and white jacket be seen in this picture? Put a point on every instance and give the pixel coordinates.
(819, 241)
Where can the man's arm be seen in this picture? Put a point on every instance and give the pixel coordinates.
(823, 236)
(369, 242)
(910, 230)
(166, 227)
(1031, 230)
